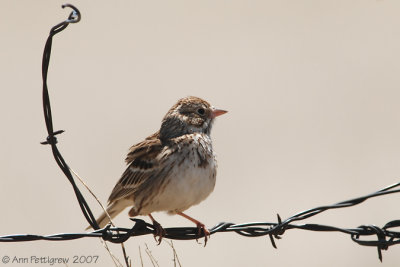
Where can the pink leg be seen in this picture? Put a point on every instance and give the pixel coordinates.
(202, 230)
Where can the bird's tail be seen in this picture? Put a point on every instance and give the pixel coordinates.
(113, 210)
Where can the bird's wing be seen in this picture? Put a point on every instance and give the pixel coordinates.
(143, 162)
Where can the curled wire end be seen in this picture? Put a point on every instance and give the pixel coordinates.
(75, 15)
(381, 236)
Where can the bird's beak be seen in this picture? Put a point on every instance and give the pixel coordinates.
(217, 112)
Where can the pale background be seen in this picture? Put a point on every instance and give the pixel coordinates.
(312, 89)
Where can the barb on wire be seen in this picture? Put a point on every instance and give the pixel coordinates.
(386, 236)
(74, 17)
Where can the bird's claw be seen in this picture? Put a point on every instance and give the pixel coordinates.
(203, 231)
(159, 232)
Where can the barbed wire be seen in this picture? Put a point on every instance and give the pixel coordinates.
(385, 236)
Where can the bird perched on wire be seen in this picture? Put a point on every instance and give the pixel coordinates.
(172, 169)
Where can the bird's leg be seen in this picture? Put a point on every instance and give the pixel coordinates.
(201, 228)
(160, 232)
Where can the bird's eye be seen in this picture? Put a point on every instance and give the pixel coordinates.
(201, 111)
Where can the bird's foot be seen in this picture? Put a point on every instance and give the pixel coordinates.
(159, 232)
(203, 231)
(201, 228)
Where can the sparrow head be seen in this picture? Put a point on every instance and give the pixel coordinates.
(189, 115)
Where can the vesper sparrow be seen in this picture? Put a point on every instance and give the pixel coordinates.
(172, 169)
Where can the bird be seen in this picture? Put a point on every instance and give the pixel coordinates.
(170, 170)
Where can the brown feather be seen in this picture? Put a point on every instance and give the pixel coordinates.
(143, 162)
